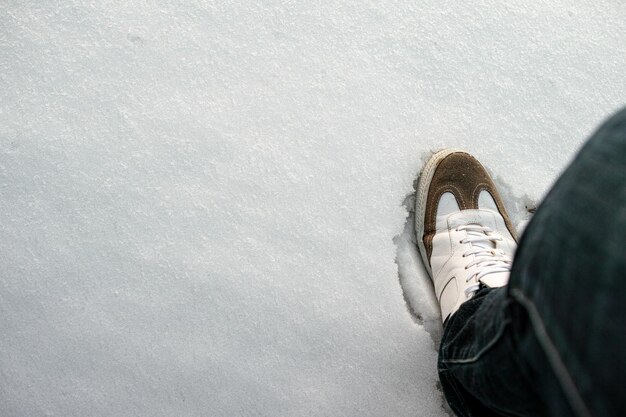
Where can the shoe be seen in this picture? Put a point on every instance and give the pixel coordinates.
(463, 231)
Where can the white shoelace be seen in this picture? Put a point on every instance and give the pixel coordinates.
(487, 258)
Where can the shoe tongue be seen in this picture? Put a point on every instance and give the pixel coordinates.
(497, 279)
(483, 244)
(482, 218)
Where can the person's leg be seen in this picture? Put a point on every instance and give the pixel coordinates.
(568, 282)
(478, 366)
(551, 343)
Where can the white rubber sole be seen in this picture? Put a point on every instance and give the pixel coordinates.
(423, 186)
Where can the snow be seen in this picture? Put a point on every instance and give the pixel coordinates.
(202, 203)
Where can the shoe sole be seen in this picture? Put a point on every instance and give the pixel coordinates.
(423, 186)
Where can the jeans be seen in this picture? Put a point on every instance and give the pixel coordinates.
(553, 342)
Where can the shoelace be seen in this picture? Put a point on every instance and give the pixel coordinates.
(487, 258)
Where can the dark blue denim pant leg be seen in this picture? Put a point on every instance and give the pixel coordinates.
(553, 343)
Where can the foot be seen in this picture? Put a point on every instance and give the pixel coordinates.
(464, 234)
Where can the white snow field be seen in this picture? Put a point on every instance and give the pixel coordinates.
(202, 202)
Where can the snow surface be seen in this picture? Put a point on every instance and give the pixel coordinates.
(199, 200)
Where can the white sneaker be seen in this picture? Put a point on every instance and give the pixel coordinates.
(464, 233)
